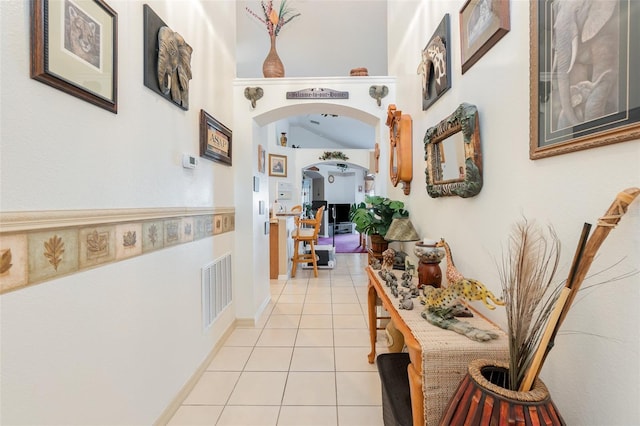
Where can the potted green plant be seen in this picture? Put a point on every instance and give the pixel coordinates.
(373, 218)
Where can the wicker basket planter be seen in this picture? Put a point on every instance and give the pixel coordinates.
(481, 400)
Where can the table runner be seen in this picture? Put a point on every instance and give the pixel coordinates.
(446, 354)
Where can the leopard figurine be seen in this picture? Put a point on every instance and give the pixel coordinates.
(442, 301)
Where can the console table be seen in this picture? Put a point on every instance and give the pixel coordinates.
(439, 358)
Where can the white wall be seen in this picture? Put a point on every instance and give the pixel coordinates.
(115, 344)
(328, 39)
(593, 372)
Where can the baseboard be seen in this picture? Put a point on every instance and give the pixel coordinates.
(171, 409)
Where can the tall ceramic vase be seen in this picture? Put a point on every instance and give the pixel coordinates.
(272, 66)
(482, 399)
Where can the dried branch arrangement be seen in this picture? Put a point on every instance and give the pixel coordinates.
(527, 275)
(535, 308)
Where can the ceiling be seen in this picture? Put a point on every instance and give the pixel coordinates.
(344, 131)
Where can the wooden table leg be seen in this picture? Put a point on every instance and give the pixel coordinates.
(373, 326)
(417, 395)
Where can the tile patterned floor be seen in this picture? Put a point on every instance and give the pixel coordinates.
(304, 363)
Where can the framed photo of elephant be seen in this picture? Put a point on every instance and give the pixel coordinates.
(482, 24)
(435, 64)
(585, 90)
(167, 60)
(74, 48)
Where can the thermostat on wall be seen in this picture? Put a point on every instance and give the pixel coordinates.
(189, 161)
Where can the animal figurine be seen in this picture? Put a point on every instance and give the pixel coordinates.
(442, 301)
(388, 277)
(375, 264)
(452, 274)
(409, 267)
(387, 259)
(406, 302)
(414, 290)
(394, 290)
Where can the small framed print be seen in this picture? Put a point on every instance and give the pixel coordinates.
(74, 48)
(482, 24)
(256, 184)
(261, 207)
(215, 139)
(277, 165)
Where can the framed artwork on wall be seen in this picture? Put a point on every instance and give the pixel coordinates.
(74, 48)
(167, 60)
(435, 64)
(592, 96)
(482, 24)
(277, 165)
(215, 139)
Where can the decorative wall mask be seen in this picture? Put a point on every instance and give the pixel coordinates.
(174, 66)
(378, 92)
(167, 60)
(253, 94)
(435, 65)
(454, 158)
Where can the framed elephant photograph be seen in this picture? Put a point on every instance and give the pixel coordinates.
(585, 90)
(482, 24)
(74, 48)
(167, 60)
(435, 64)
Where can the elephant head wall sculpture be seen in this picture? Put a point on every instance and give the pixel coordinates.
(174, 66)
(586, 34)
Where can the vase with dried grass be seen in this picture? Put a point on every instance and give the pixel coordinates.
(501, 394)
(274, 20)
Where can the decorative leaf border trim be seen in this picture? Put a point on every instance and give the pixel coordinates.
(195, 224)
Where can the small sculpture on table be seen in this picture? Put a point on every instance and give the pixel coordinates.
(406, 302)
(387, 259)
(409, 267)
(429, 272)
(442, 305)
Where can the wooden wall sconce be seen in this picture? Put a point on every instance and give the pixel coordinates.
(400, 153)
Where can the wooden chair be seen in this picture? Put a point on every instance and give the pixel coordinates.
(308, 235)
(296, 209)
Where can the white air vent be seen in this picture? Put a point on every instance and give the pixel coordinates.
(216, 289)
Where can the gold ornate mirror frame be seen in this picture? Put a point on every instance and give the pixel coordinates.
(469, 182)
(400, 152)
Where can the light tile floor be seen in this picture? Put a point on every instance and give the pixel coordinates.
(304, 363)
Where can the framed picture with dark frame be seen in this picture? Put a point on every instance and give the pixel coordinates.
(482, 24)
(435, 64)
(277, 165)
(167, 60)
(591, 97)
(74, 48)
(215, 139)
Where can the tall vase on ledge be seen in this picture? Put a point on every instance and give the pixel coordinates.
(272, 66)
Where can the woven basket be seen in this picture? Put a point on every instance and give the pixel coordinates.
(480, 401)
(359, 72)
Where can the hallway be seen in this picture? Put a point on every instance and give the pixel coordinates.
(304, 363)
